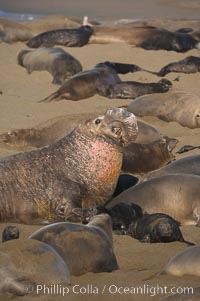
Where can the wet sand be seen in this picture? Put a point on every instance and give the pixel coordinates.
(19, 108)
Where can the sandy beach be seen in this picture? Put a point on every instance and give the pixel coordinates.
(19, 108)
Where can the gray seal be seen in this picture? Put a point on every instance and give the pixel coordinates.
(84, 248)
(60, 64)
(81, 169)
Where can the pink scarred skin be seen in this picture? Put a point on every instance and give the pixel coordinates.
(77, 171)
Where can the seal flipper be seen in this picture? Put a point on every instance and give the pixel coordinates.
(55, 95)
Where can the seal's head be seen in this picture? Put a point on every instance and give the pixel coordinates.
(10, 232)
(117, 125)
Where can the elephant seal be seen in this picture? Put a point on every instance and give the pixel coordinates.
(191, 64)
(132, 89)
(167, 40)
(186, 165)
(72, 37)
(181, 107)
(139, 158)
(79, 170)
(11, 32)
(10, 232)
(156, 227)
(56, 128)
(24, 264)
(193, 294)
(87, 83)
(77, 244)
(60, 64)
(176, 195)
(186, 262)
(187, 148)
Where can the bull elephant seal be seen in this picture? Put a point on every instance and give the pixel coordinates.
(193, 294)
(139, 158)
(60, 64)
(191, 64)
(181, 107)
(73, 37)
(77, 244)
(103, 79)
(176, 41)
(157, 227)
(24, 264)
(186, 165)
(10, 232)
(78, 170)
(176, 195)
(186, 262)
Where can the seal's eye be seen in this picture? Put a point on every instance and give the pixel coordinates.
(97, 121)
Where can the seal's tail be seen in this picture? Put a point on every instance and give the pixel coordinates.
(51, 97)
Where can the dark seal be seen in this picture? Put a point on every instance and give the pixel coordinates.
(73, 37)
(9, 233)
(79, 170)
(103, 79)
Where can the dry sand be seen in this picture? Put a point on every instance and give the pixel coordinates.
(19, 108)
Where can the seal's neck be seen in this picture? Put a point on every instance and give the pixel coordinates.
(92, 161)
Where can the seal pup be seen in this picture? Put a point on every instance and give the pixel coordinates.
(26, 263)
(191, 64)
(186, 262)
(101, 79)
(186, 165)
(139, 158)
(10, 232)
(181, 107)
(176, 195)
(72, 37)
(60, 64)
(156, 227)
(132, 89)
(167, 40)
(81, 169)
(77, 244)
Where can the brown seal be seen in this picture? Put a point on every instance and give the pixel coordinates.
(27, 263)
(72, 37)
(60, 64)
(103, 79)
(79, 170)
(84, 248)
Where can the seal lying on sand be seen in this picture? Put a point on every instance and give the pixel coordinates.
(79, 170)
(102, 79)
(60, 64)
(186, 165)
(84, 248)
(191, 64)
(181, 107)
(141, 158)
(26, 263)
(176, 195)
(73, 37)
(157, 227)
(13, 32)
(56, 128)
(167, 40)
(186, 262)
